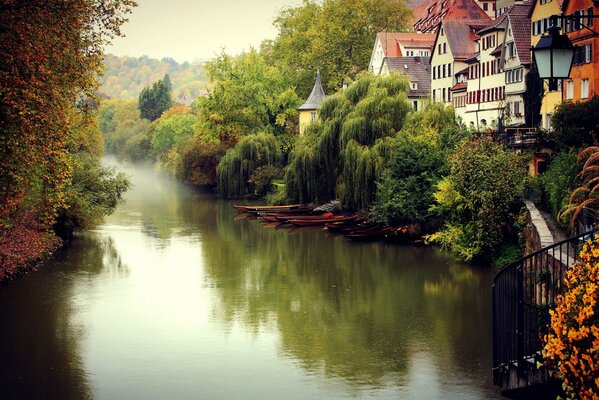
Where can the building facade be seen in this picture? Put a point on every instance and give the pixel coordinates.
(308, 112)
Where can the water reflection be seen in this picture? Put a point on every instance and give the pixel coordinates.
(173, 298)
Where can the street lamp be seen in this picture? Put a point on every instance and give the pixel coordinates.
(554, 55)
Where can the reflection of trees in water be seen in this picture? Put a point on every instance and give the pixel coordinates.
(40, 337)
(343, 309)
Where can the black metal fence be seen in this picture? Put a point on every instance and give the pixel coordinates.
(523, 294)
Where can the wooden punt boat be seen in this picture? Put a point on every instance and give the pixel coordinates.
(303, 217)
(270, 218)
(269, 208)
(347, 226)
(320, 221)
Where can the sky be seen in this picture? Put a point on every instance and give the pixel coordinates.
(190, 30)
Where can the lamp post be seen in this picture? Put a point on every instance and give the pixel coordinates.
(554, 55)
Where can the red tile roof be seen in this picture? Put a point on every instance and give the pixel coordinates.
(428, 15)
(391, 40)
(460, 86)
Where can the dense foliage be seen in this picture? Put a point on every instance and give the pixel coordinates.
(478, 198)
(572, 345)
(558, 182)
(125, 133)
(344, 154)
(93, 192)
(333, 35)
(237, 166)
(125, 77)
(155, 100)
(417, 161)
(575, 124)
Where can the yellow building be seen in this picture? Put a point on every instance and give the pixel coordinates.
(308, 112)
(539, 15)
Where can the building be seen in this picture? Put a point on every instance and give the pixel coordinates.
(485, 92)
(455, 42)
(516, 59)
(417, 69)
(539, 16)
(396, 44)
(308, 112)
(584, 77)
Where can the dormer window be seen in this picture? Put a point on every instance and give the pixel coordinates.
(414, 85)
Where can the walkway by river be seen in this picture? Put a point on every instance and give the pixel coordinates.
(171, 298)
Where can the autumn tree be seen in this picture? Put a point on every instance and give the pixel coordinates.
(155, 100)
(51, 55)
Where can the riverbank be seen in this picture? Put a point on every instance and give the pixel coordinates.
(24, 245)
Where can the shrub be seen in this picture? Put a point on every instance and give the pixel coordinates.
(478, 198)
(199, 161)
(575, 124)
(572, 345)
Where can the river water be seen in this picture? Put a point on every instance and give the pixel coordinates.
(172, 298)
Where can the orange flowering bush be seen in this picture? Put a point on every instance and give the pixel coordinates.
(572, 345)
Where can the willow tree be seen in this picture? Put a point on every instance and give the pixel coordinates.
(343, 155)
(239, 163)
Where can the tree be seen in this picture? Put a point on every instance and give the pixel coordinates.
(533, 97)
(246, 96)
(170, 133)
(51, 54)
(575, 125)
(343, 155)
(334, 35)
(237, 166)
(156, 100)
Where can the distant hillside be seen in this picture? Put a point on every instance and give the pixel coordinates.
(125, 77)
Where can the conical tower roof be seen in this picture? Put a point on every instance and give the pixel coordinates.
(316, 96)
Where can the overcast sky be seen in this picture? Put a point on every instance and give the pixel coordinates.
(188, 30)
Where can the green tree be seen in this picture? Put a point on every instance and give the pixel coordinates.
(156, 100)
(344, 155)
(575, 125)
(333, 35)
(246, 96)
(478, 198)
(238, 165)
(170, 133)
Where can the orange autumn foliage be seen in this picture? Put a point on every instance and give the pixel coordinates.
(51, 54)
(572, 345)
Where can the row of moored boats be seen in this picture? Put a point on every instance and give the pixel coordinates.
(355, 226)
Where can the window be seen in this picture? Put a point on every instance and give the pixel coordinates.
(409, 53)
(434, 95)
(444, 94)
(584, 88)
(444, 70)
(414, 85)
(449, 69)
(434, 73)
(517, 109)
(485, 7)
(583, 54)
(312, 117)
(569, 90)
(415, 105)
(590, 16)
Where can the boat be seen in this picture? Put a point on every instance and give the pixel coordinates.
(368, 235)
(269, 208)
(320, 221)
(304, 217)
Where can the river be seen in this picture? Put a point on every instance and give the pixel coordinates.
(172, 298)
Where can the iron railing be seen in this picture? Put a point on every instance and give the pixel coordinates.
(523, 294)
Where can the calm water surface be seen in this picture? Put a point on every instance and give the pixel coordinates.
(172, 298)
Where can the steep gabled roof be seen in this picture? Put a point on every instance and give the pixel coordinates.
(390, 42)
(519, 21)
(418, 69)
(316, 97)
(498, 24)
(461, 38)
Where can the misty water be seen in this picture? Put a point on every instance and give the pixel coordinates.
(171, 297)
